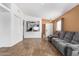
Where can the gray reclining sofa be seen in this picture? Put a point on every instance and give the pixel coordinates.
(67, 43)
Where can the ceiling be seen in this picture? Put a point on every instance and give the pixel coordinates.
(47, 10)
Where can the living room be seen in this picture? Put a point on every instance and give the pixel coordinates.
(53, 31)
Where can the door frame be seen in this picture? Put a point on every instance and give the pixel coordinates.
(23, 28)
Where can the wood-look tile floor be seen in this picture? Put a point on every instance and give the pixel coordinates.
(31, 47)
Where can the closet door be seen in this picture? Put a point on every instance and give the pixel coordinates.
(17, 24)
(5, 29)
(17, 28)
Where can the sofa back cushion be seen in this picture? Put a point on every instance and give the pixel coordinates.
(75, 39)
(61, 35)
(56, 34)
(68, 36)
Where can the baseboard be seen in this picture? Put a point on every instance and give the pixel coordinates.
(11, 44)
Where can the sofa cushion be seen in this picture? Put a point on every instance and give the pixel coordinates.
(61, 35)
(75, 38)
(60, 44)
(68, 36)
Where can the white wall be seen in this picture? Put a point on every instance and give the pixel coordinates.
(11, 27)
(49, 29)
(16, 25)
(33, 34)
(5, 29)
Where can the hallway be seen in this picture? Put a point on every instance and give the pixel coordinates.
(31, 47)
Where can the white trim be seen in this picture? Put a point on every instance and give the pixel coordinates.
(4, 7)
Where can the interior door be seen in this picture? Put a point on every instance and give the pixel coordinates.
(43, 28)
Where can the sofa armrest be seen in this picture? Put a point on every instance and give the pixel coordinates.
(74, 46)
(71, 49)
(75, 53)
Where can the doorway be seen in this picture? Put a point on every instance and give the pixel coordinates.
(49, 29)
(43, 28)
(23, 28)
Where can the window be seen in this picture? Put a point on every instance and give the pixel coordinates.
(58, 26)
